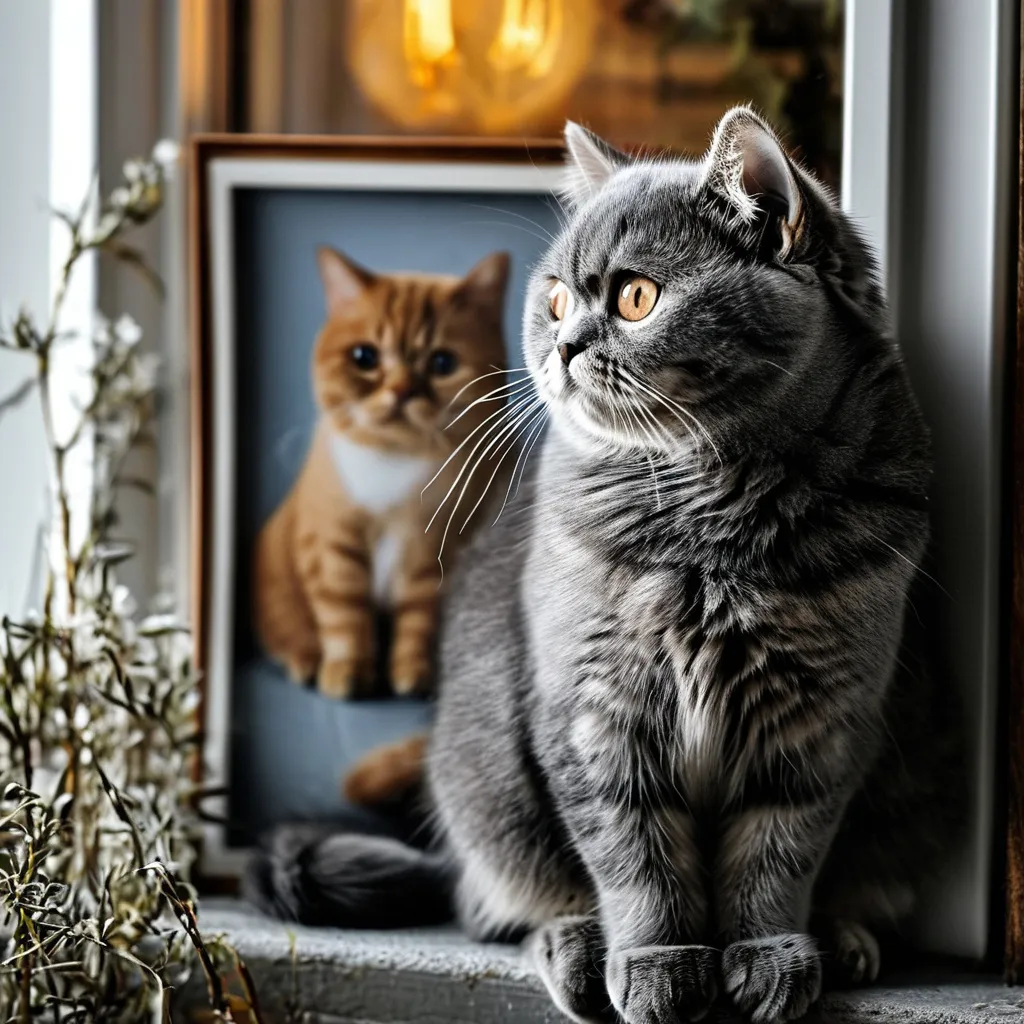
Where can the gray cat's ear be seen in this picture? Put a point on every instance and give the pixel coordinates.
(748, 167)
(591, 162)
(488, 278)
(343, 279)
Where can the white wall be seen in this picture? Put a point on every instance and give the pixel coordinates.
(930, 142)
(24, 280)
(137, 57)
(954, 258)
(86, 84)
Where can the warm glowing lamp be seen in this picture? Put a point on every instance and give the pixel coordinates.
(489, 66)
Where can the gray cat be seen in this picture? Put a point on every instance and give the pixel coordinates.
(682, 728)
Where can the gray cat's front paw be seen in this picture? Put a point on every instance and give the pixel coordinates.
(569, 955)
(663, 984)
(773, 979)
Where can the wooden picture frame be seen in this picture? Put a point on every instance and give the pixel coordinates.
(220, 165)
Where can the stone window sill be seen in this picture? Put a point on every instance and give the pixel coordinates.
(436, 976)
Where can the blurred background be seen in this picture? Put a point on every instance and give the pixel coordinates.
(643, 73)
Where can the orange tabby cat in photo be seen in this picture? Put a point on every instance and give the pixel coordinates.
(350, 539)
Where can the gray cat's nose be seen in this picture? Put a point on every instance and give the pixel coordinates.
(567, 350)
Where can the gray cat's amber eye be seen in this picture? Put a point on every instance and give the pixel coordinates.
(637, 297)
(559, 301)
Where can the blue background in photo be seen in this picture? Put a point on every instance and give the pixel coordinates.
(289, 745)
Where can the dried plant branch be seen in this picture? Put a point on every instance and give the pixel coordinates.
(97, 708)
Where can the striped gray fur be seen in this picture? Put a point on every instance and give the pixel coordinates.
(685, 739)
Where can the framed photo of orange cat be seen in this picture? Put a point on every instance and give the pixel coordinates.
(355, 302)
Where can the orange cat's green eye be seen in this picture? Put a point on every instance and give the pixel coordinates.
(559, 301)
(366, 357)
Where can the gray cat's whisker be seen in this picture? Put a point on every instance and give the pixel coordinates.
(650, 461)
(916, 568)
(524, 457)
(696, 422)
(642, 428)
(638, 431)
(496, 439)
(625, 428)
(503, 415)
(780, 368)
(519, 216)
(632, 395)
(658, 428)
(647, 388)
(517, 430)
(483, 376)
(505, 224)
(512, 387)
(521, 431)
(518, 389)
(675, 408)
(510, 390)
(484, 424)
(480, 426)
(501, 421)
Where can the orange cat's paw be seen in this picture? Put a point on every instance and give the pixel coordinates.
(411, 674)
(300, 668)
(386, 773)
(343, 678)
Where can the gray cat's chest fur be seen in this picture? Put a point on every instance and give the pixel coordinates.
(622, 641)
(614, 653)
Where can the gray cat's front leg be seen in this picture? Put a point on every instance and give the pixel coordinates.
(769, 857)
(569, 956)
(653, 908)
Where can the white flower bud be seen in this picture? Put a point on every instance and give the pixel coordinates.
(165, 154)
(147, 366)
(160, 622)
(122, 602)
(127, 330)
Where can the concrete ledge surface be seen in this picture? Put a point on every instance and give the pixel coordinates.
(437, 976)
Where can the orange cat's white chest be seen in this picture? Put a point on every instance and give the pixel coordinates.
(380, 482)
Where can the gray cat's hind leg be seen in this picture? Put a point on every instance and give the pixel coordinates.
(857, 959)
(509, 893)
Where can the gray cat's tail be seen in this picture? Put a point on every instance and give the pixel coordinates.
(348, 880)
